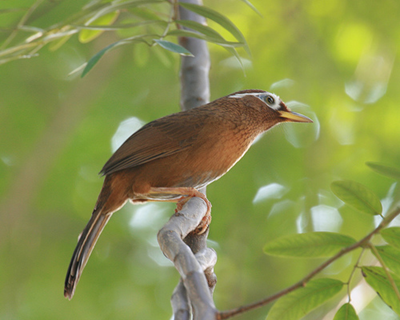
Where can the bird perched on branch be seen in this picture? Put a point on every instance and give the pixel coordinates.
(171, 158)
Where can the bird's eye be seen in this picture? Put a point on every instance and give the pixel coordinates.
(269, 99)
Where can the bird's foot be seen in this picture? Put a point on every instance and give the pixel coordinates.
(206, 220)
(188, 193)
(181, 202)
(204, 224)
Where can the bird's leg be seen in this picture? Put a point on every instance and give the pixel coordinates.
(187, 193)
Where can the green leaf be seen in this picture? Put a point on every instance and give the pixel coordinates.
(201, 28)
(346, 312)
(233, 52)
(377, 279)
(297, 304)
(253, 7)
(357, 196)
(392, 236)
(218, 18)
(229, 46)
(86, 35)
(390, 256)
(385, 170)
(313, 245)
(210, 34)
(174, 47)
(93, 60)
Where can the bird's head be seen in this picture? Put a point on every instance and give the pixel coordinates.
(273, 109)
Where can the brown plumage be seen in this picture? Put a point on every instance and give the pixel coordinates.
(170, 158)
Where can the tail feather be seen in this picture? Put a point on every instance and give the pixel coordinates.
(86, 243)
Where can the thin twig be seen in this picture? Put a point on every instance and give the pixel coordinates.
(385, 268)
(170, 20)
(352, 273)
(21, 23)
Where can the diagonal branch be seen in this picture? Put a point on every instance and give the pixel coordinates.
(360, 244)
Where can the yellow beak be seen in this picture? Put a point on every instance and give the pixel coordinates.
(291, 116)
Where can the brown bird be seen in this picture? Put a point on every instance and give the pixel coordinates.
(170, 158)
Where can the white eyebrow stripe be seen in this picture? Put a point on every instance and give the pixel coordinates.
(277, 98)
(241, 95)
(260, 96)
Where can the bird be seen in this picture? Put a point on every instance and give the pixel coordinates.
(171, 158)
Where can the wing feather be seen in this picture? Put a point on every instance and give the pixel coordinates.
(157, 139)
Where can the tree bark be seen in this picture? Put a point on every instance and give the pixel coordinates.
(189, 253)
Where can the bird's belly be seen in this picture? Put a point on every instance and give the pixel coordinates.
(187, 169)
(192, 181)
(199, 182)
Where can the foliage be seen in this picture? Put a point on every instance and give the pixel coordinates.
(296, 304)
(333, 61)
(97, 17)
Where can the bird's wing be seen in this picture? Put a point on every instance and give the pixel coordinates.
(157, 139)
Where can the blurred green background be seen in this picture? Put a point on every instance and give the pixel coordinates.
(334, 61)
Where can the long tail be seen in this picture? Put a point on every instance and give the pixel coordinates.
(86, 243)
(105, 206)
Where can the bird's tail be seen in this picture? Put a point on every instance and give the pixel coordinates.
(86, 243)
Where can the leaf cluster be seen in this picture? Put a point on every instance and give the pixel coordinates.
(384, 279)
(150, 22)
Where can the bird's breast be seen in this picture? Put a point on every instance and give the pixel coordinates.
(208, 161)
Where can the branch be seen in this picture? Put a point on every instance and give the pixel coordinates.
(188, 251)
(180, 303)
(192, 275)
(195, 86)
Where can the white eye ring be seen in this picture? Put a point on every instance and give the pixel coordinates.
(272, 100)
(269, 99)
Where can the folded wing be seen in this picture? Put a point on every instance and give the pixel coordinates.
(157, 139)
